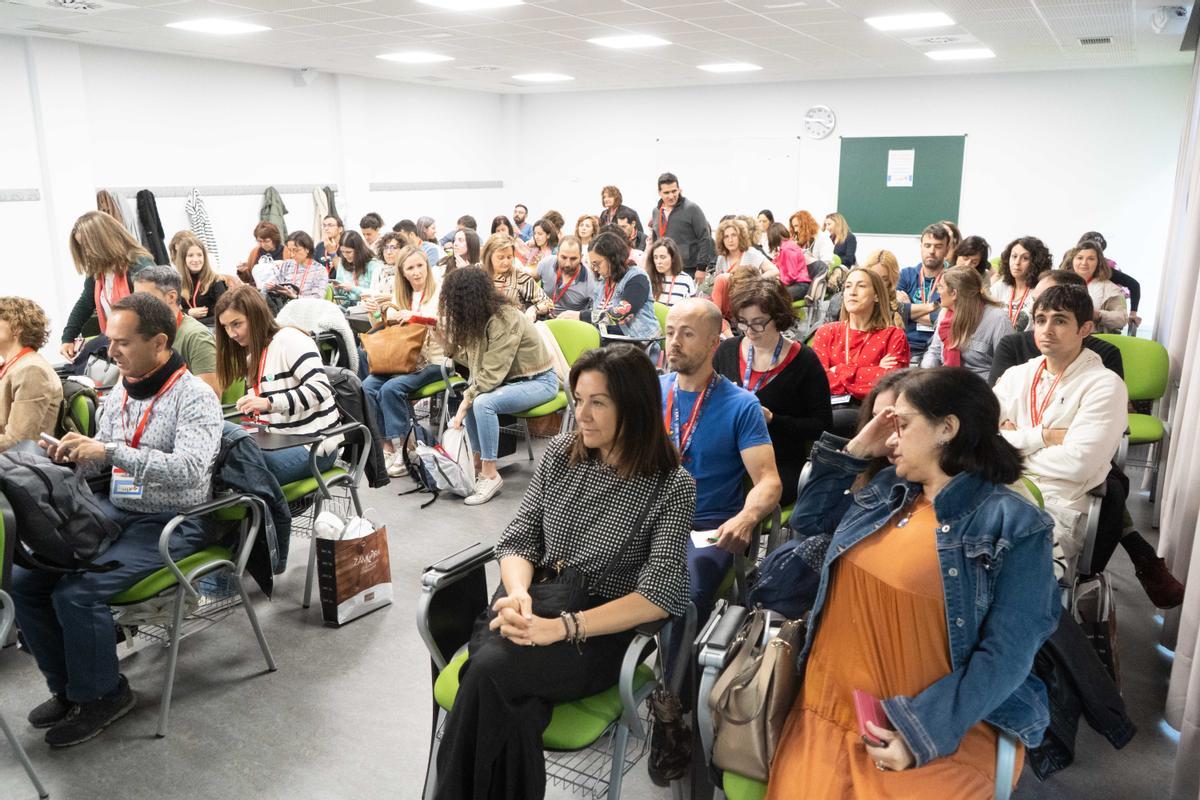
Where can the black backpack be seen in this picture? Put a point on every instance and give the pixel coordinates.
(61, 526)
(426, 483)
(68, 422)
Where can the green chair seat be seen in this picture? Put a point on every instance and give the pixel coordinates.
(158, 582)
(81, 413)
(739, 787)
(557, 403)
(306, 486)
(1145, 429)
(1035, 494)
(437, 387)
(574, 725)
(234, 393)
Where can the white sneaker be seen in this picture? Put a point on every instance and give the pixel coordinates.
(485, 489)
(395, 464)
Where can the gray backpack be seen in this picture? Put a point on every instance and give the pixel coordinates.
(61, 526)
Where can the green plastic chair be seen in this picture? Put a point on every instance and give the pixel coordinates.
(660, 311)
(7, 615)
(587, 740)
(837, 260)
(442, 388)
(1032, 491)
(1147, 368)
(234, 393)
(574, 338)
(82, 414)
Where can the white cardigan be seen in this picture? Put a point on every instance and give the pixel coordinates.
(1109, 300)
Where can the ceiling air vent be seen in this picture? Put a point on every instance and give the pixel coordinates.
(1089, 41)
(73, 6)
(50, 31)
(483, 68)
(941, 39)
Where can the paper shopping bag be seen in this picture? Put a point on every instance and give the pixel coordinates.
(354, 576)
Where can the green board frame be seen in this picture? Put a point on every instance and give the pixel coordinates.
(871, 207)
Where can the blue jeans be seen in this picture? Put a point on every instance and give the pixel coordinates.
(390, 394)
(483, 426)
(65, 618)
(291, 463)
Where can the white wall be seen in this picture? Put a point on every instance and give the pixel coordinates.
(1052, 154)
(1048, 154)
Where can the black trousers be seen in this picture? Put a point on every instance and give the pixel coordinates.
(845, 419)
(492, 743)
(1112, 520)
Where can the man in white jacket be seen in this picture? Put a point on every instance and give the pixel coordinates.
(1066, 413)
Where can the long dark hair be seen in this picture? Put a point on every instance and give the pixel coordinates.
(233, 360)
(656, 279)
(642, 446)
(978, 446)
(615, 251)
(506, 222)
(362, 253)
(468, 300)
(866, 412)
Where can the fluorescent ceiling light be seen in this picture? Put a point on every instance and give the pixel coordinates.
(779, 6)
(964, 54)
(628, 41)
(543, 77)
(908, 22)
(218, 26)
(471, 5)
(732, 66)
(416, 57)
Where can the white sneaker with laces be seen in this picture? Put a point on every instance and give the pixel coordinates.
(395, 464)
(485, 489)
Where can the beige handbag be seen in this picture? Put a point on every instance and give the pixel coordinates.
(394, 348)
(753, 697)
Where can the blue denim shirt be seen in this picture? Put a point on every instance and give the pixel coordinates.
(1002, 601)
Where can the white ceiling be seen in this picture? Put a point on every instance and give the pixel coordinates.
(814, 39)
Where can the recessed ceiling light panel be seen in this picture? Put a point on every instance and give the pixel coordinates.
(223, 27)
(731, 66)
(629, 41)
(416, 57)
(909, 22)
(470, 5)
(964, 54)
(543, 77)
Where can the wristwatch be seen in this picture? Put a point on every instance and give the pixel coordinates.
(110, 448)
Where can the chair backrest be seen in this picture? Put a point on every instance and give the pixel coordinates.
(234, 393)
(1146, 365)
(1035, 493)
(8, 522)
(837, 260)
(574, 337)
(660, 311)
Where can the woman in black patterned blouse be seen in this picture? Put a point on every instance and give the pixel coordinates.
(581, 510)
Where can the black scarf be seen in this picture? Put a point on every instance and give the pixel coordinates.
(148, 386)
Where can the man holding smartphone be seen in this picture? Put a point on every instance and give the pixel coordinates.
(158, 434)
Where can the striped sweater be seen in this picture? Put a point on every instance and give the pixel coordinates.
(294, 381)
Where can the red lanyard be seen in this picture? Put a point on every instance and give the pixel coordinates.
(304, 277)
(195, 294)
(141, 428)
(416, 301)
(557, 278)
(1036, 411)
(9, 364)
(671, 290)
(608, 292)
(927, 291)
(662, 221)
(262, 365)
(682, 434)
(1015, 309)
(178, 318)
(746, 367)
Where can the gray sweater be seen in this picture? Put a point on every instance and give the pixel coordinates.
(687, 225)
(980, 349)
(175, 458)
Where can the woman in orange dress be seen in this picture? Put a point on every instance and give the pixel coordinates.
(937, 592)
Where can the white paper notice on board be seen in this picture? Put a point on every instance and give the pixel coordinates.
(900, 168)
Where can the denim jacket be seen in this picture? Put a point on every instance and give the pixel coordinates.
(1002, 601)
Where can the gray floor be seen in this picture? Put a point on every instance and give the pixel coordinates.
(348, 713)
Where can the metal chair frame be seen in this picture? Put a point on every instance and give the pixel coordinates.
(7, 615)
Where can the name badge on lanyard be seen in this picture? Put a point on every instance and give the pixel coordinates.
(839, 399)
(123, 485)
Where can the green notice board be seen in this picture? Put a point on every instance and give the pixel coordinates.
(925, 173)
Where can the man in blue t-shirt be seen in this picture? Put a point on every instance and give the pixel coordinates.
(922, 284)
(722, 441)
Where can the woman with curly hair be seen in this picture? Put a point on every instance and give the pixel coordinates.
(1021, 264)
(511, 369)
(30, 391)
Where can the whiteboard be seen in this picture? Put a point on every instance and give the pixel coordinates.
(735, 174)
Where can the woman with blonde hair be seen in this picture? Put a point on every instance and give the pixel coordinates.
(970, 327)
(416, 296)
(1088, 262)
(845, 245)
(587, 228)
(30, 392)
(108, 258)
(860, 347)
(516, 285)
(202, 287)
(734, 249)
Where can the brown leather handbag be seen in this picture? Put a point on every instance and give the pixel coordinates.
(394, 347)
(754, 695)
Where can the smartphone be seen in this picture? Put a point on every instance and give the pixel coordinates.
(868, 709)
(50, 440)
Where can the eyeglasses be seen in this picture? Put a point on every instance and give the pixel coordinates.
(896, 417)
(758, 326)
(391, 248)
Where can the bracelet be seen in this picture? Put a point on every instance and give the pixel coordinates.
(566, 629)
(581, 621)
